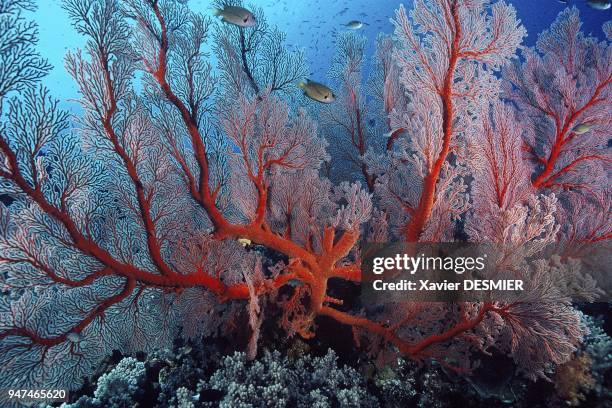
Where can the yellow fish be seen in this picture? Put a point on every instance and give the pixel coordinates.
(581, 129)
(244, 241)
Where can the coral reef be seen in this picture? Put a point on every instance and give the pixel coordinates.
(188, 203)
(276, 381)
(200, 375)
(117, 388)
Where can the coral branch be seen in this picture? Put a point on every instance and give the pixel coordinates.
(411, 349)
(97, 312)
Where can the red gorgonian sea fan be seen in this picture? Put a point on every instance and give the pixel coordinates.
(562, 91)
(124, 231)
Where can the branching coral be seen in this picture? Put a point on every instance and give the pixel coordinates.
(346, 120)
(563, 93)
(447, 55)
(274, 381)
(255, 60)
(117, 388)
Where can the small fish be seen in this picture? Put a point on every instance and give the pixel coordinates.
(244, 241)
(599, 4)
(581, 129)
(236, 15)
(341, 12)
(355, 24)
(317, 91)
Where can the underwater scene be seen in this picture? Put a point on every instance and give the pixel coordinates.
(369, 203)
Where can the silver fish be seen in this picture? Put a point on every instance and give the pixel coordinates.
(317, 91)
(236, 15)
(599, 4)
(355, 24)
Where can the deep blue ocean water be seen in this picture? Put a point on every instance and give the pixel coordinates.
(308, 24)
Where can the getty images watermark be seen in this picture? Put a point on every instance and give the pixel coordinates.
(396, 272)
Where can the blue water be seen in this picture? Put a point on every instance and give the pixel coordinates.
(309, 24)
